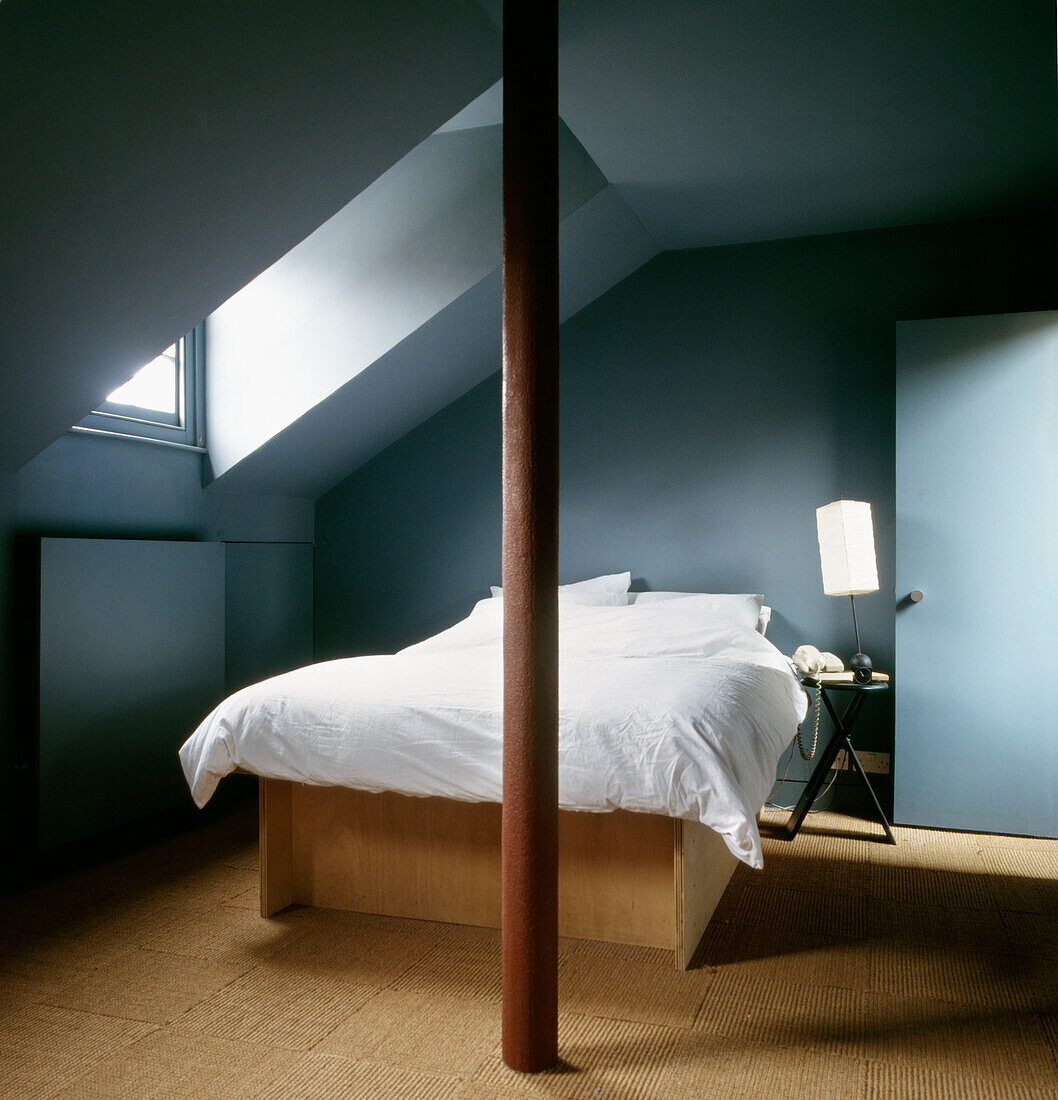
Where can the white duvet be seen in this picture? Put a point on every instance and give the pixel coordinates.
(663, 708)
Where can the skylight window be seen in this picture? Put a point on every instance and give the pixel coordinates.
(161, 402)
(154, 388)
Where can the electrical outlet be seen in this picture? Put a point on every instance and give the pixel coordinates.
(876, 763)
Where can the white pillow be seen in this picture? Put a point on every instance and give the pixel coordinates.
(744, 608)
(654, 597)
(607, 591)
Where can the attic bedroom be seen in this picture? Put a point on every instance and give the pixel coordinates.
(806, 255)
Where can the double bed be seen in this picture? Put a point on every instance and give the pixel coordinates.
(381, 776)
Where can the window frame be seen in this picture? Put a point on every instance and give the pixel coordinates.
(129, 421)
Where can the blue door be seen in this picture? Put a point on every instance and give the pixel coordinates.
(977, 532)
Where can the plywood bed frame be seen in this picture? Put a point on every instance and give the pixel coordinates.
(623, 877)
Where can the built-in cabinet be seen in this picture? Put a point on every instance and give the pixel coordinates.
(135, 642)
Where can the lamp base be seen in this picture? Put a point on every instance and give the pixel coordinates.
(862, 669)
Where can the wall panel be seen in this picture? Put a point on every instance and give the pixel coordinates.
(131, 659)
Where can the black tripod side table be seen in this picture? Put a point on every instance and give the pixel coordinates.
(842, 739)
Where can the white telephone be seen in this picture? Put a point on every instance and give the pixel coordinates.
(809, 661)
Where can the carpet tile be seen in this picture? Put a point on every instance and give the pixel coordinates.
(846, 969)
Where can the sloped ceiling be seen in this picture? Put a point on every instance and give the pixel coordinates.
(600, 243)
(404, 280)
(156, 157)
(711, 122)
(400, 252)
(722, 122)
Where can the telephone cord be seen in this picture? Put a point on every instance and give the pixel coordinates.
(801, 750)
(815, 730)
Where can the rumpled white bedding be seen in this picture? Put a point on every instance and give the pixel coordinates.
(663, 708)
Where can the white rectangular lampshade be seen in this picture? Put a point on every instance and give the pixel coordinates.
(846, 548)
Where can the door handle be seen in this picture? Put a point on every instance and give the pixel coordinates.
(916, 595)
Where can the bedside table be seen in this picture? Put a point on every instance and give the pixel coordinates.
(841, 739)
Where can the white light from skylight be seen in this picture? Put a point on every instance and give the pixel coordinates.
(151, 387)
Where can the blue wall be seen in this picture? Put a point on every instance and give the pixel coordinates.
(95, 487)
(710, 403)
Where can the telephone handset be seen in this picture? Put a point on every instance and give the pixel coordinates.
(809, 661)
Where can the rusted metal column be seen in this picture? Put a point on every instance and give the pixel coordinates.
(530, 534)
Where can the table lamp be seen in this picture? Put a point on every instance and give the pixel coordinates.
(846, 554)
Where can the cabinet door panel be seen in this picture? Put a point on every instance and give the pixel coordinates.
(131, 659)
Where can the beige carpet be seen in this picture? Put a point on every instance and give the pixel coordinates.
(848, 968)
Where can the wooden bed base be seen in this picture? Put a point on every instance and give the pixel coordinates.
(623, 877)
